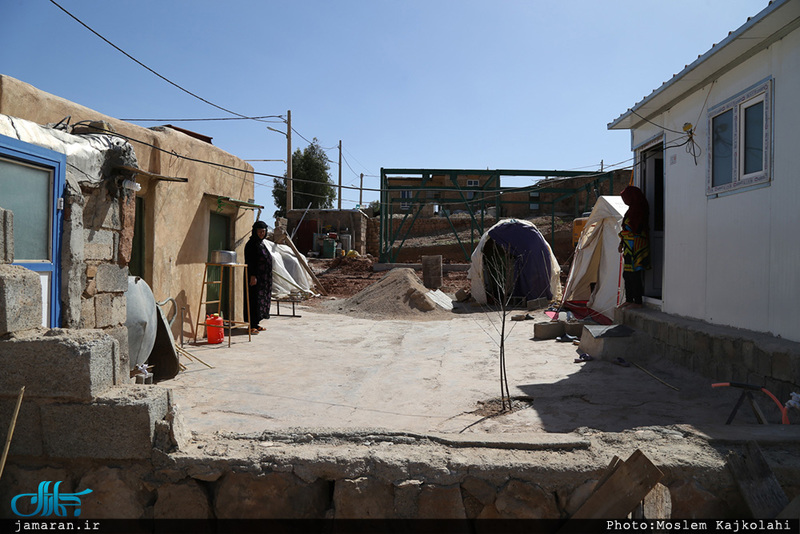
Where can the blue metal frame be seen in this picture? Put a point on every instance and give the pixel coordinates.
(56, 162)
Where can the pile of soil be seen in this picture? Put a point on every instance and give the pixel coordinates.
(344, 277)
(400, 294)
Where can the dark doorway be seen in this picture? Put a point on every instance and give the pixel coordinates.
(136, 265)
(651, 167)
(219, 238)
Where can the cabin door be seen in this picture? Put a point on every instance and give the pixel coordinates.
(651, 165)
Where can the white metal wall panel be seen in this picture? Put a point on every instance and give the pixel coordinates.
(735, 260)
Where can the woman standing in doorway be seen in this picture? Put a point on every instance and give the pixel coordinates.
(259, 282)
(635, 244)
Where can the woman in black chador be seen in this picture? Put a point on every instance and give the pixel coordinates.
(259, 271)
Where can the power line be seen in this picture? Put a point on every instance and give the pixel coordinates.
(349, 167)
(212, 119)
(79, 21)
(356, 160)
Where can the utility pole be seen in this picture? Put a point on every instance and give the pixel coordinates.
(289, 186)
(340, 174)
(361, 192)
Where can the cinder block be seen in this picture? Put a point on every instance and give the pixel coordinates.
(88, 317)
(607, 342)
(59, 364)
(121, 358)
(6, 236)
(103, 310)
(118, 425)
(111, 278)
(548, 329)
(20, 299)
(99, 245)
(119, 309)
(27, 439)
(101, 211)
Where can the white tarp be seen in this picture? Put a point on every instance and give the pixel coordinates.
(288, 276)
(476, 273)
(597, 259)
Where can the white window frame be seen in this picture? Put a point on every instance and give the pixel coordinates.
(405, 194)
(533, 195)
(761, 92)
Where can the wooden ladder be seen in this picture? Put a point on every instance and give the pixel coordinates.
(229, 323)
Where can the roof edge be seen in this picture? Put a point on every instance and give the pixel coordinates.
(715, 49)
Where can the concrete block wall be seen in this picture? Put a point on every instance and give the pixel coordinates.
(71, 407)
(105, 271)
(722, 354)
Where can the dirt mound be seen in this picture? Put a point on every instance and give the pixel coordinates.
(347, 265)
(398, 295)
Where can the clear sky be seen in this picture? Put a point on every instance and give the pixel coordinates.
(464, 84)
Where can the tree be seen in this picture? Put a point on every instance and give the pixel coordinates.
(310, 180)
(375, 207)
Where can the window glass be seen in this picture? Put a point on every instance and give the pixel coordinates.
(754, 138)
(25, 190)
(722, 149)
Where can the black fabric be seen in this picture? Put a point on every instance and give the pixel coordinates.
(259, 265)
(634, 286)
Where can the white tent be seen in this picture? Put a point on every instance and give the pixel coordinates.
(541, 271)
(595, 278)
(288, 276)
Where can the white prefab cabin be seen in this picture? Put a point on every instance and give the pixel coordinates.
(717, 152)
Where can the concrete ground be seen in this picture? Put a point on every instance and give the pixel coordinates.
(325, 370)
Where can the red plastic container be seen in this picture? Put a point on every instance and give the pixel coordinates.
(216, 334)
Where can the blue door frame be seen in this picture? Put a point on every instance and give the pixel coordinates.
(56, 162)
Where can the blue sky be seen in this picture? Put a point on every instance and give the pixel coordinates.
(504, 84)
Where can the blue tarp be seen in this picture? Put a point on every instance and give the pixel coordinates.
(531, 255)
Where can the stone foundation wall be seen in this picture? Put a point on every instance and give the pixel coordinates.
(306, 475)
(723, 354)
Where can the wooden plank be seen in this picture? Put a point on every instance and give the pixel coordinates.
(616, 461)
(623, 490)
(658, 503)
(760, 489)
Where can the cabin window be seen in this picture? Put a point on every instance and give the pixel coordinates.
(740, 140)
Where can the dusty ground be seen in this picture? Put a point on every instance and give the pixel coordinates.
(354, 368)
(337, 367)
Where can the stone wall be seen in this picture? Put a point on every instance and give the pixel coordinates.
(353, 222)
(316, 475)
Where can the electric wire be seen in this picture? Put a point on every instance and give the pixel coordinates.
(79, 21)
(654, 124)
(213, 119)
